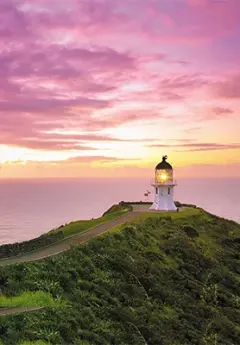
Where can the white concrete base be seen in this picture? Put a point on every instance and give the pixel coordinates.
(163, 204)
(163, 200)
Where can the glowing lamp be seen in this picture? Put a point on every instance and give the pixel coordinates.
(163, 177)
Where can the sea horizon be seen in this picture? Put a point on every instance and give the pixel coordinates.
(31, 207)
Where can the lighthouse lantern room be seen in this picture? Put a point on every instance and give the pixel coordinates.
(163, 185)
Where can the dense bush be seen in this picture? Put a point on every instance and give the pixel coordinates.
(190, 231)
(180, 204)
(8, 250)
(146, 284)
(135, 203)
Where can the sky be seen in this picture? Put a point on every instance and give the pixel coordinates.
(104, 88)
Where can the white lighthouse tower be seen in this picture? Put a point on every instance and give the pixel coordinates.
(163, 185)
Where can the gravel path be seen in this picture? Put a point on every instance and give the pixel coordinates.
(59, 248)
(17, 310)
(70, 241)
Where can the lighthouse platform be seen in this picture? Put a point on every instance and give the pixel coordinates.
(145, 208)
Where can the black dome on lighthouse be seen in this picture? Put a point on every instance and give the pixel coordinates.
(164, 165)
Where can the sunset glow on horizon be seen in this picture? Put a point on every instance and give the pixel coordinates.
(104, 88)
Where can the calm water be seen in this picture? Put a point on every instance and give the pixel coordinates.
(29, 208)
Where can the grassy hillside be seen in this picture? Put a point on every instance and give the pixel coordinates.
(30, 343)
(156, 281)
(185, 213)
(30, 299)
(82, 225)
(56, 235)
(121, 207)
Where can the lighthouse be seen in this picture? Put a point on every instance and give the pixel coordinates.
(163, 187)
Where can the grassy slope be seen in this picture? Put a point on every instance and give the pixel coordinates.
(30, 299)
(59, 234)
(83, 225)
(184, 213)
(121, 207)
(34, 343)
(157, 281)
(30, 343)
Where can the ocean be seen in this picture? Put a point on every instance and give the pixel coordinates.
(28, 208)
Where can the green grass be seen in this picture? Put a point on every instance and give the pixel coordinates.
(30, 299)
(169, 313)
(39, 342)
(151, 280)
(184, 213)
(118, 208)
(83, 225)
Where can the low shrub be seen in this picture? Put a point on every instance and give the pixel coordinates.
(30, 299)
(14, 249)
(190, 231)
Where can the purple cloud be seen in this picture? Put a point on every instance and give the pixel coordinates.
(189, 147)
(222, 111)
(229, 88)
(95, 65)
(184, 82)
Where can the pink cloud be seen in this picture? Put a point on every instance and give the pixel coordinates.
(50, 145)
(222, 111)
(41, 105)
(100, 64)
(29, 130)
(14, 24)
(197, 147)
(54, 61)
(94, 159)
(171, 96)
(184, 82)
(228, 88)
(194, 21)
(213, 114)
(198, 2)
(209, 147)
(166, 21)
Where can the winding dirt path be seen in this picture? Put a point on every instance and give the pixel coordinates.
(66, 244)
(59, 248)
(17, 310)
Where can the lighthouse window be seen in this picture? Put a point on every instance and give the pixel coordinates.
(156, 190)
(168, 190)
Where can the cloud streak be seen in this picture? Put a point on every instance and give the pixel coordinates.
(197, 147)
(99, 75)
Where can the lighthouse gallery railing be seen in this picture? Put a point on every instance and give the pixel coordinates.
(165, 183)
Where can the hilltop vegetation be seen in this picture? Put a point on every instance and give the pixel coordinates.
(59, 234)
(31, 299)
(129, 203)
(160, 281)
(64, 231)
(121, 207)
